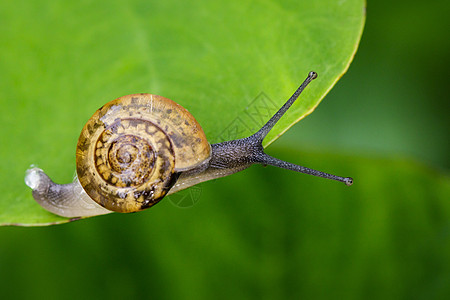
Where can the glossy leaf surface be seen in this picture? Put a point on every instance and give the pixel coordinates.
(231, 63)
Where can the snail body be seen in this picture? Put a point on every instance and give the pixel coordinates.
(138, 148)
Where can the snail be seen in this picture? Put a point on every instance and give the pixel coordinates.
(138, 148)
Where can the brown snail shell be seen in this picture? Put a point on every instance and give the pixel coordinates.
(131, 151)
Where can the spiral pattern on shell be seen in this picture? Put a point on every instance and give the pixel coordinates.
(127, 152)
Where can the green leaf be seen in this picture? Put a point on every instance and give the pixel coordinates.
(63, 60)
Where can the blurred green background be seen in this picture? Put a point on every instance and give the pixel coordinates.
(279, 235)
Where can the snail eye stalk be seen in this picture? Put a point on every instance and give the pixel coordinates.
(265, 159)
(262, 133)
